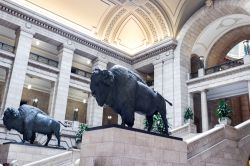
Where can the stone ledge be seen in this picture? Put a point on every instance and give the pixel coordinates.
(132, 129)
(114, 145)
(26, 153)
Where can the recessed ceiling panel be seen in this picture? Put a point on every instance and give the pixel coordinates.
(82, 12)
(110, 21)
(131, 35)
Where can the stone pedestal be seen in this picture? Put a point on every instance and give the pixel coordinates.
(114, 145)
(25, 153)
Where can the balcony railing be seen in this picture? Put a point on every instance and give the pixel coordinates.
(43, 60)
(80, 72)
(224, 66)
(7, 47)
(218, 68)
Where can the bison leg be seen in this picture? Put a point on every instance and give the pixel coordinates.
(57, 134)
(150, 122)
(33, 137)
(128, 117)
(165, 121)
(48, 139)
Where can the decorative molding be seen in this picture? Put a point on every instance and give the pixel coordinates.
(150, 24)
(74, 38)
(113, 22)
(159, 18)
(61, 32)
(155, 52)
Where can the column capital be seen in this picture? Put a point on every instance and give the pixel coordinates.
(67, 46)
(99, 63)
(204, 90)
(25, 32)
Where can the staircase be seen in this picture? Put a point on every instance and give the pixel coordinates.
(68, 158)
(220, 146)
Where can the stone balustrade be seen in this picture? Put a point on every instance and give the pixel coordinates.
(208, 146)
(229, 76)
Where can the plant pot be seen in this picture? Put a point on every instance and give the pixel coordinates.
(225, 121)
(190, 121)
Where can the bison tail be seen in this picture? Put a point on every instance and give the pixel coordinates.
(168, 102)
(63, 124)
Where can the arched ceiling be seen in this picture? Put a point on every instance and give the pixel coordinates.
(129, 25)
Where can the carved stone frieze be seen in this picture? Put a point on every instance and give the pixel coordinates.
(159, 18)
(149, 22)
(74, 38)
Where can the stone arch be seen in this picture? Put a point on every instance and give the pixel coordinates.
(225, 44)
(216, 30)
(187, 37)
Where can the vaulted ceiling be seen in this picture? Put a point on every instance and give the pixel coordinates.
(129, 25)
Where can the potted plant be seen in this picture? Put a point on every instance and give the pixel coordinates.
(223, 112)
(82, 128)
(158, 125)
(188, 116)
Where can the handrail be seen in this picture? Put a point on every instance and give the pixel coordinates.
(44, 60)
(49, 159)
(7, 47)
(224, 66)
(80, 72)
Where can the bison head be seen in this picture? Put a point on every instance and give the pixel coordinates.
(101, 84)
(11, 119)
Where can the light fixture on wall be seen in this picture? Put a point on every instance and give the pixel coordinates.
(29, 86)
(109, 117)
(246, 47)
(201, 62)
(37, 42)
(35, 102)
(88, 61)
(84, 101)
(75, 116)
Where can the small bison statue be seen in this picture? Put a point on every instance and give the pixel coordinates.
(126, 93)
(29, 120)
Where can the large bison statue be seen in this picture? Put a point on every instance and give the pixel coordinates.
(126, 93)
(29, 120)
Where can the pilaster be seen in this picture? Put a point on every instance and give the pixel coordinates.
(17, 78)
(62, 85)
(6, 87)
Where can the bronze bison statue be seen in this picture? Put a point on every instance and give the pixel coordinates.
(126, 93)
(29, 120)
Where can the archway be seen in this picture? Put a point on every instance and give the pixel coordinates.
(187, 38)
(219, 51)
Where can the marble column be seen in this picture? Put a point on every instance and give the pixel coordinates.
(191, 101)
(52, 98)
(158, 73)
(168, 87)
(6, 87)
(204, 111)
(62, 85)
(95, 112)
(17, 78)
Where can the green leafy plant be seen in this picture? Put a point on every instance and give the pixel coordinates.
(82, 128)
(158, 125)
(223, 110)
(188, 114)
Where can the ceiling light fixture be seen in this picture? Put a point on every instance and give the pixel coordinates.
(84, 101)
